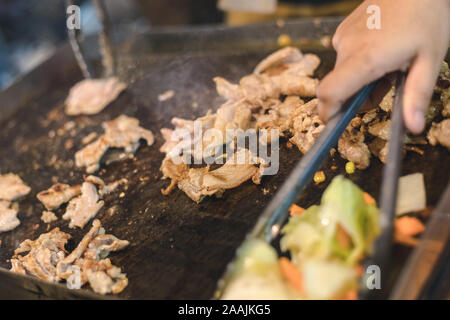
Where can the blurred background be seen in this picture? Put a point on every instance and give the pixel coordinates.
(31, 29)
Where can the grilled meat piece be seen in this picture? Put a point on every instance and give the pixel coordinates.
(79, 250)
(12, 187)
(48, 217)
(123, 132)
(90, 96)
(351, 145)
(47, 260)
(57, 195)
(381, 129)
(200, 182)
(289, 60)
(84, 207)
(103, 244)
(388, 101)
(43, 255)
(105, 189)
(88, 263)
(379, 148)
(8, 216)
(440, 133)
(306, 126)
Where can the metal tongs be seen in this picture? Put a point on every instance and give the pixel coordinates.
(276, 213)
(106, 44)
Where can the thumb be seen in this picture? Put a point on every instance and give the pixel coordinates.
(419, 88)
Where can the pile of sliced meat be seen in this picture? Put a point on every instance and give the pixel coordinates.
(47, 259)
(11, 188)
(269, 98)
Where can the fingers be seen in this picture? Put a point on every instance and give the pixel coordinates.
(344, 81)
(419, 90)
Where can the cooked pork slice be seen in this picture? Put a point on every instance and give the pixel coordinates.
(46, 259)
(282, 56)
(379, 148)
(8, 216)
(306, 130)
(57, 195)
(90, 96)
(228, 90)
(257, 88)
(12, 187)
(123, 132)
(351, 146)
(48, 217)
(43, 255)
(381, 129)
(102, 245)
(105, 189)
(84, 207)
(104, 278)
(201, 182)
(306, 125)
(440, 133)
(370, 116)
(388, 100)
(288, 60)
(79, 250)
(290, 84)
(88, 263)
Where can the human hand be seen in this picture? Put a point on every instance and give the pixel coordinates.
(414, 35)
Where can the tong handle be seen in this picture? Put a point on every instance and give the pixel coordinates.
(389, 188)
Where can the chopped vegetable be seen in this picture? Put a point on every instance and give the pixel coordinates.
(295, 210)
(350, 167)
(314, 234)
(411, 194)
(409, 226)
(405, 240)
(327, 280)
(351, 295)
(319, 177)
(291, 273)
(257, 275)
(369, 199)
(326, 243)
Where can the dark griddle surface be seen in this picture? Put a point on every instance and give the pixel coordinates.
(178, 248)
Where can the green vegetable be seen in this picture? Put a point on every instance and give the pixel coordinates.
(314, 234)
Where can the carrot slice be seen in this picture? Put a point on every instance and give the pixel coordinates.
(369, 199)
(405, 240)
(359, 270)
(295, 210)
(291, 273)
(342, 237)
(351, 295)
(409, 226)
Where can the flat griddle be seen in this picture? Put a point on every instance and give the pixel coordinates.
(179, 249)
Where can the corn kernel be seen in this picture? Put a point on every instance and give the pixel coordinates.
(350, 167)
(284, 40)
(319, 177)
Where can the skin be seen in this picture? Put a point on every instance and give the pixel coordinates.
(414, 36)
